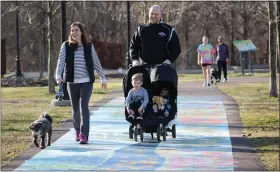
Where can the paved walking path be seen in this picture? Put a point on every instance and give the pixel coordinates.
(209, 137)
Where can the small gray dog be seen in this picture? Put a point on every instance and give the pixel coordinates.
(40, 128)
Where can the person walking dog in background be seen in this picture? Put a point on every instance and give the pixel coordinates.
(78, 60)
(222, 58)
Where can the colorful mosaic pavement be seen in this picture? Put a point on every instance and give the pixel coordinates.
(202, 143)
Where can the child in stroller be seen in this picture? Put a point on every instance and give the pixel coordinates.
(162, 81)
(137, 98)
(161, 103)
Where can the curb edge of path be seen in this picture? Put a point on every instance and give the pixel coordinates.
(245, 156)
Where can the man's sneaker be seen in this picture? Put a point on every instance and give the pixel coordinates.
(218, 80)
(208, 85)
(225, 80)
(204, 85)
(83, 139)
(77, 135)
(130, 117)
(139, 117)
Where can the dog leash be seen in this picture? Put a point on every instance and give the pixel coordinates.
(60, 93)
(60, 90)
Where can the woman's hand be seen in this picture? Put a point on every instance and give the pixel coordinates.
(59, 81)
(227, 61)
(104, 86)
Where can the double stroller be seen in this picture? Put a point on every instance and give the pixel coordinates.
(161, 76)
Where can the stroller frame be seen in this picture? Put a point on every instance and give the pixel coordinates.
(151, 123)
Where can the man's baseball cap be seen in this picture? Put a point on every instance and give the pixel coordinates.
(220, 37)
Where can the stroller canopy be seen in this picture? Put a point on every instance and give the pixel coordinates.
(127, 85)
(164, 76)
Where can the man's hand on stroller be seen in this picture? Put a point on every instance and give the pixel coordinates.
(167, 62)
(135, 63)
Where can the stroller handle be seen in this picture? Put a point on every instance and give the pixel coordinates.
(146, 65)
(162, 64)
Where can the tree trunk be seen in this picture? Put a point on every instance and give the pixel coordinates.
(41, 60)
(246, 20)
(187, 45)
(51, 80)
(277, 4)
(232, 59)
(272, 41)
(146, 17)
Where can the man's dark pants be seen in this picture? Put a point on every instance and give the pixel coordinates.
(222, 64)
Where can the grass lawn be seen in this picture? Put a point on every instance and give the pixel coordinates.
(23, 105)
(199, 77)
(260, 116)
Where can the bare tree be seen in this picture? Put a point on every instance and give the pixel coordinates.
(277, 4)
(272, 42)
(191, 20)
(51, 12)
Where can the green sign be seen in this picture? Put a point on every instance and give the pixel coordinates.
(244, 45)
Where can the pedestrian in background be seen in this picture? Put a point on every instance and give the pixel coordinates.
(222, 58)
(205, 58)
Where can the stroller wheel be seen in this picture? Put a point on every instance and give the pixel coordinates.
(164, 133)
(158, 134)
(131, 131)
(141, 134)
(135, 133)
(174, 131)
(152, 134)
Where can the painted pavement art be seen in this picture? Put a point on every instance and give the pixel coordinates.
(202, 142)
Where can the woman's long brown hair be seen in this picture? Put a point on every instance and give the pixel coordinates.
(83, 36)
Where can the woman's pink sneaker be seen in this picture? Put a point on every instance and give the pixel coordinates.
(83, 139)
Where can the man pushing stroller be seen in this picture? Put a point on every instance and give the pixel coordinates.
(155, 42)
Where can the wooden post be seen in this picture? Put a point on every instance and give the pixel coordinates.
(241, 63)
(3, 58)
(18, 70)
(250, 62)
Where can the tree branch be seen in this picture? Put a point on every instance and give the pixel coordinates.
(239, 32)
(56, 10)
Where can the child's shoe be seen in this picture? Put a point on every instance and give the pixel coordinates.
(166, 113)
(130, 117)
(155, 108)
(140, 117)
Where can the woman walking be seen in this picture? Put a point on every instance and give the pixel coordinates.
(205, 58)
(78, 61)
